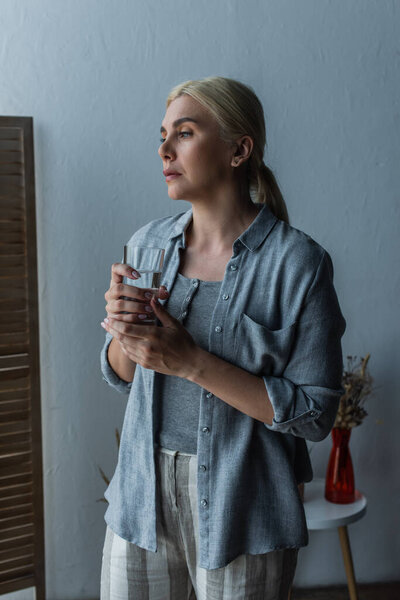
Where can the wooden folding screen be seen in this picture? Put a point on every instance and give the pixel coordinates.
(21, 487)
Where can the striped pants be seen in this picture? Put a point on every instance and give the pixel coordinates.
(129, 572)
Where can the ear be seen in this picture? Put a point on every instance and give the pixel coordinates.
(244, 148)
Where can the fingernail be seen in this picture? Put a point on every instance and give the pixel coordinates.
(142, 316)
(106, 320)
(102, 324)
(148, 295)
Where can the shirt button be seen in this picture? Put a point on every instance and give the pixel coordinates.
(218, 328)
(205, 429)
(209, 395)
(313, 413)
(184, 313)
(204, 502)
(195, 283)
(187, 298)
(233, 267)
(225, 296)
(202, 468)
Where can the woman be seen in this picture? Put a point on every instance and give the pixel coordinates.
(244, 367)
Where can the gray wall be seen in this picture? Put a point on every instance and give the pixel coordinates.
(94, 75)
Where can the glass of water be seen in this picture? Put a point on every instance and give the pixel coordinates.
(149, 263)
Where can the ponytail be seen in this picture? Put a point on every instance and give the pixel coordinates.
(267, 191)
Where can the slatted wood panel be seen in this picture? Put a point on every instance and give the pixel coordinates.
(21, 478)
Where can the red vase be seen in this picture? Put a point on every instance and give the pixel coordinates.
(339, 483)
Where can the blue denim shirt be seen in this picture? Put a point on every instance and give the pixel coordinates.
(278, 317)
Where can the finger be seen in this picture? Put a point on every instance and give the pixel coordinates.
(119, 271)
(130, 306)
(162, 292)
(136, 318)
(123, 329)
(117, 287)
(134, 293)
(167, 320)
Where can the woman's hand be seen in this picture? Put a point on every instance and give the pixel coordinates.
(169, 349)
(129, 298)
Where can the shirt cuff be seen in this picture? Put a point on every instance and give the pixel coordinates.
(109, 375)
(309, 414)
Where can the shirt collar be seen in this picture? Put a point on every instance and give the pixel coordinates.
(252, 237)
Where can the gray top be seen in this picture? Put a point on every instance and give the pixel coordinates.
(177, 400)
(277, 316)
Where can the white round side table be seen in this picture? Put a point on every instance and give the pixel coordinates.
(322, 514)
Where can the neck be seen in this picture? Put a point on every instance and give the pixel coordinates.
(214, 228)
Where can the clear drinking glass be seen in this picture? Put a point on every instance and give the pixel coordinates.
(149, 263)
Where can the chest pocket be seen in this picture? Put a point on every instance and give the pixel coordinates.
(260, 350)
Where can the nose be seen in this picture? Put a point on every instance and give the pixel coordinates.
(166, 151)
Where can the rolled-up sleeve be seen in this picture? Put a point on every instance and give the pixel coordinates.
(306, 398)
(109, 375)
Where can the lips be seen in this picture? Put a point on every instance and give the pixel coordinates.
(170, 172)
(170, 175)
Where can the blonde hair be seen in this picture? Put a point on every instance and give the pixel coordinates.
(238, 112)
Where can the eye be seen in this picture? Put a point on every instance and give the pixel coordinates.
(162, 140)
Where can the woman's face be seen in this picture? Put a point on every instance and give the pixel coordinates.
(195, 150)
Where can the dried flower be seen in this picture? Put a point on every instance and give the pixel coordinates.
(357, 383)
